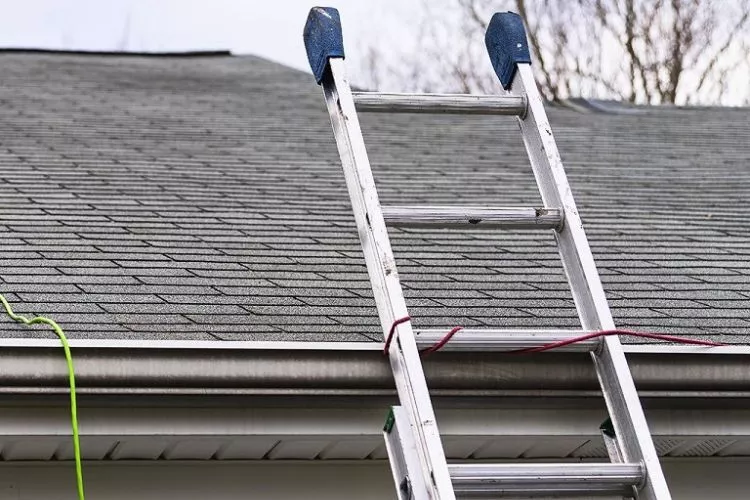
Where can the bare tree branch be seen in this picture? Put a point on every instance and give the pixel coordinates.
(641, 51)
(715, 58)
(551, 88)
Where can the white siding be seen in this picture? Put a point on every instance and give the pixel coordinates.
(698, 479)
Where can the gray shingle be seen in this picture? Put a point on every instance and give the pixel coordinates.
(203, 199)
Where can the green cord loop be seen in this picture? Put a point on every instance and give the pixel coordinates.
(71, 377)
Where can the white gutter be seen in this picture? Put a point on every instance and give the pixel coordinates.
(106, 367)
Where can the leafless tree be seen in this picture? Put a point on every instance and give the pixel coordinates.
(642, 51)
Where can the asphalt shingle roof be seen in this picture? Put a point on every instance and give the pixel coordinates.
(202, 198)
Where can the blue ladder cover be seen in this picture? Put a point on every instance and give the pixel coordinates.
(507, 45)
(323, 39)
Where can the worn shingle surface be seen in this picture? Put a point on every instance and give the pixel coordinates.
(201, 198)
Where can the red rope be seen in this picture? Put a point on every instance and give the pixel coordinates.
(617, 331)
(573, 340)
(390, 334)
(442, 341)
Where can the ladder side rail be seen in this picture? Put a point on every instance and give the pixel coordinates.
(325, 50)
(612, 369)
(507, 47)
(403, 354)
(402, 452)
(549, 173)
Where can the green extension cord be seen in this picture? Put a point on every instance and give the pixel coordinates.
(71, 377)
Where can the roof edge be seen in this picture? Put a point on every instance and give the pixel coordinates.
(136, 345)
(187, 53)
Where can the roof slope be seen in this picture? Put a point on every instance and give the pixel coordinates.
(201, 198)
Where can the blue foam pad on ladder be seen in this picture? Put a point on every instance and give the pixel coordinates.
(323, 39)
(506, 45)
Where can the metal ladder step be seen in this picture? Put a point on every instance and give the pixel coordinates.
(380, 102)
(534, 480)
(479, 340)
(473, 217)
(493, 480)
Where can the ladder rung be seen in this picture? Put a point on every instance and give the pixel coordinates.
(479, 217)
(503, 340)
(527, 480)
(440, 103)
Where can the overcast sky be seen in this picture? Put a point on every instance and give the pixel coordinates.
(272, 29)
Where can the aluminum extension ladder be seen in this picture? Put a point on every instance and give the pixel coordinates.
(413, 442)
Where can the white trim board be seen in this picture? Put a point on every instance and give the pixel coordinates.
(39, 433)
